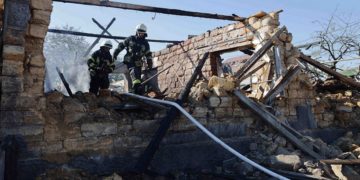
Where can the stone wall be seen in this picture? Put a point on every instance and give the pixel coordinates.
(55, 130)
(23, 67)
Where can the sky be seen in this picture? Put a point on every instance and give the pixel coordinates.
(299, 16)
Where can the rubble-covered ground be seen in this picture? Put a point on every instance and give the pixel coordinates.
(270, 149)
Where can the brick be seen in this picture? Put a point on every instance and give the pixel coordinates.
(238, 112)
(36, 87)
(37, 71)
(182, 124)
(38, 30)
(18, 101)
(11, 52)
(37, 61)
(132, 141)
(226, 101)
(41, 4)
(73, 117)
(200, 112)
(52, 147)
(145, 126)
(268, 21)
(12, 68)
(11, 118)
(14, 36)
(12, 84)
(328, 116)
(33, 117)
(41, 17)
(214, 101)
(92, 144)
(52, 133)
(98, 129)
(253, 20)
(223, 112)
(29, 130)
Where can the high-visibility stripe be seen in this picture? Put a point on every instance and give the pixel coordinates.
(136, 81)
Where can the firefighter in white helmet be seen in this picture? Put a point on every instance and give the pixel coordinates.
(100, 65)
(137, 48)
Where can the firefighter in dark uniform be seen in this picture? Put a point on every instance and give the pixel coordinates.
(100, 65)
(137, 48)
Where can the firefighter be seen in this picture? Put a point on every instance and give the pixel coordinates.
(137, 48)
(100, 65)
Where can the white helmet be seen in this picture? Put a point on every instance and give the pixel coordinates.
(141, 28)
(107, 43)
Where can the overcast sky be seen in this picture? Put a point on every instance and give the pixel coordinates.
(299, 16)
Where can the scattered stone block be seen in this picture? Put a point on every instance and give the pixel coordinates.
(286, 162)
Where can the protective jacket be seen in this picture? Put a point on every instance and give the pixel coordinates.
(136, 49)
(101, 62)
(100, 65)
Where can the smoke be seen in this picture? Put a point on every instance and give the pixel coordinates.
(67, 53)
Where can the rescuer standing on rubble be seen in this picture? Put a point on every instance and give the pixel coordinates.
(100, 65)
(137, 47)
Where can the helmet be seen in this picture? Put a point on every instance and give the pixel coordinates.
(107, 43)
(141, 28)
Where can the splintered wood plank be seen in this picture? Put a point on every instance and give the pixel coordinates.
(282, 82)
(330, 71)
(272, 120)
(258, 54)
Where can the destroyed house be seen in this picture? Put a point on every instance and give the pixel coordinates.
(209, 124)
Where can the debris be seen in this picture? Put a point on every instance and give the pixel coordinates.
(337, 171)
(221, 85)
(286, 162)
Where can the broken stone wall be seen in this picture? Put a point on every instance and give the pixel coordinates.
(23, 67)
(57, 129)
(298, 95)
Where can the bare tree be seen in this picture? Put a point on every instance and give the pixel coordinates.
(339, 39)
(65, 52)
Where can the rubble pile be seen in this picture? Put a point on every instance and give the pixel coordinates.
(274, 151)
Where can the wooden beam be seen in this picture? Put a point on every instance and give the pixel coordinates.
(278, 65)
(274, 122)
(66, 84)
(341, 161)
(76, 33)
(98, 38)
(330, 71)
(165, 122)
(282, 82)
(258, 54)
(128, 6)
(251, 72)
(104, 29)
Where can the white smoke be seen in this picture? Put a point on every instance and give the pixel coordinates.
(67, 53)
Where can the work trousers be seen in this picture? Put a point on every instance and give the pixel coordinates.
(99, 81)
